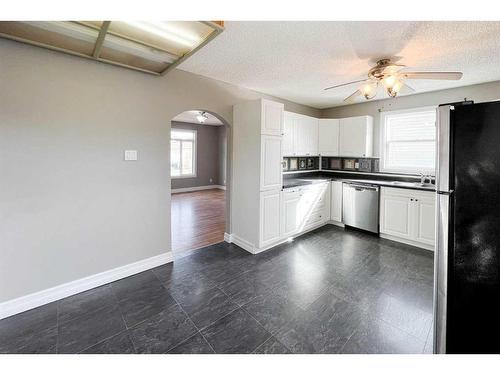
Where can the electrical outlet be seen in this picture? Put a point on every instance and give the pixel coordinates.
(211, 180)
(130, 155)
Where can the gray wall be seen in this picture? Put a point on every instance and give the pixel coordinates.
(208, 160)
(70, 206)
(479, 93)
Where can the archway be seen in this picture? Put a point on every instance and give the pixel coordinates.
(200, 180)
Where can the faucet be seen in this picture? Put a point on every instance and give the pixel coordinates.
(423, 177)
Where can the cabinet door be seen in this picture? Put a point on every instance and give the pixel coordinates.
(425, 219)
(312, 136)
(302, 135)
(290, 219)
(336, 201)
(269, 217)
(289, 134)
(328, 137)
(395, 215)
(270, 163)
(272, 118)
(355, 136)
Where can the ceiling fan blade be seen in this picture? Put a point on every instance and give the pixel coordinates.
(433, 75)
(353, 96)
(345, 84)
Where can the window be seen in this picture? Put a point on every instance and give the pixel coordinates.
(182, 153)
(409, 141)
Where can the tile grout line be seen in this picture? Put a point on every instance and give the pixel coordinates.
(195, 326)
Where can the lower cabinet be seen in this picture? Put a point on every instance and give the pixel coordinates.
(408, 215)
(304, 208)
(336, 201)
(270, 217)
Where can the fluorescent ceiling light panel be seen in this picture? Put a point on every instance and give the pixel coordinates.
(164, 31)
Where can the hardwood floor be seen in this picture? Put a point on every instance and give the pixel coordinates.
(198, 219)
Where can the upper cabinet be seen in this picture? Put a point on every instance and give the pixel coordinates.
(289, 134)
(300, 135)
(308, 136)
(328, 137)
(272, 118)
(356, 136)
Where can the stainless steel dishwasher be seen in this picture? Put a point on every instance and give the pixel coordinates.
(360, 205)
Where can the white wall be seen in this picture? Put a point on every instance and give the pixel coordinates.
(69, 205)
(479, 93)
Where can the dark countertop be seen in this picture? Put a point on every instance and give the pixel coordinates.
(291, 182)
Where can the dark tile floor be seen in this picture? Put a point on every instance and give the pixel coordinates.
(329, 291)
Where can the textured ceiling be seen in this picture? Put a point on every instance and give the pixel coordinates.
(190, 116)
(297, 60)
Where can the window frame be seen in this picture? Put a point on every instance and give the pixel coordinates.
(195, 146)
(383, 142)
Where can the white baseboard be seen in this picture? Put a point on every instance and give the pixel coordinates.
(244, 244)
(408, 242)
(43, 297)
(228, 237)
(197, 188)
(337, 223)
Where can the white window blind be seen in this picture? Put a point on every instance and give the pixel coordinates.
(409, 141)
(182, 153)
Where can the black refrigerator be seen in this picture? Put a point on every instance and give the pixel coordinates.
(467, 257)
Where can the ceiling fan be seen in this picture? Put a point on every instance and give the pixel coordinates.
(392, 78)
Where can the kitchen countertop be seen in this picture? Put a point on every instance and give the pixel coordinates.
(303, 181)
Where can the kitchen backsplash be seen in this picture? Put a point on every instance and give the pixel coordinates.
(297, 164)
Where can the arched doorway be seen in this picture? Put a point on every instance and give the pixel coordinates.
(199, 180)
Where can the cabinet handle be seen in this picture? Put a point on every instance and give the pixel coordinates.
(411, 199)
(416, 200)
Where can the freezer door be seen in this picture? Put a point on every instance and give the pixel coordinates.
(443, 158)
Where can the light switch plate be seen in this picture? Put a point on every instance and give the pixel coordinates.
(130, 155)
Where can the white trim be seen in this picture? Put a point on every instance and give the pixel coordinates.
(30, 301)
(228, 237)
(383, 135)
(244, 244)
(408, 242)
(196, 188)
(337, 223)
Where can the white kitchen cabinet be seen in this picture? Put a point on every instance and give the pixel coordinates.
(425, 208)
(408, 215)
(356, 136)
(269, 217)
(272, 118)
(300, 135)
(256, 174)
(306, 136)
(289, 134)
(270, 163)
(336, 201)
(290, 219)
(395, 215)
(328, 137)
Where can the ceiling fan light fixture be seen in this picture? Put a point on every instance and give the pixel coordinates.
(202, 117)
(369, 90)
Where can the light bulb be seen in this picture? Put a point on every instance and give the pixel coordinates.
(390, 80)
(369, 90)
(395, 88)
